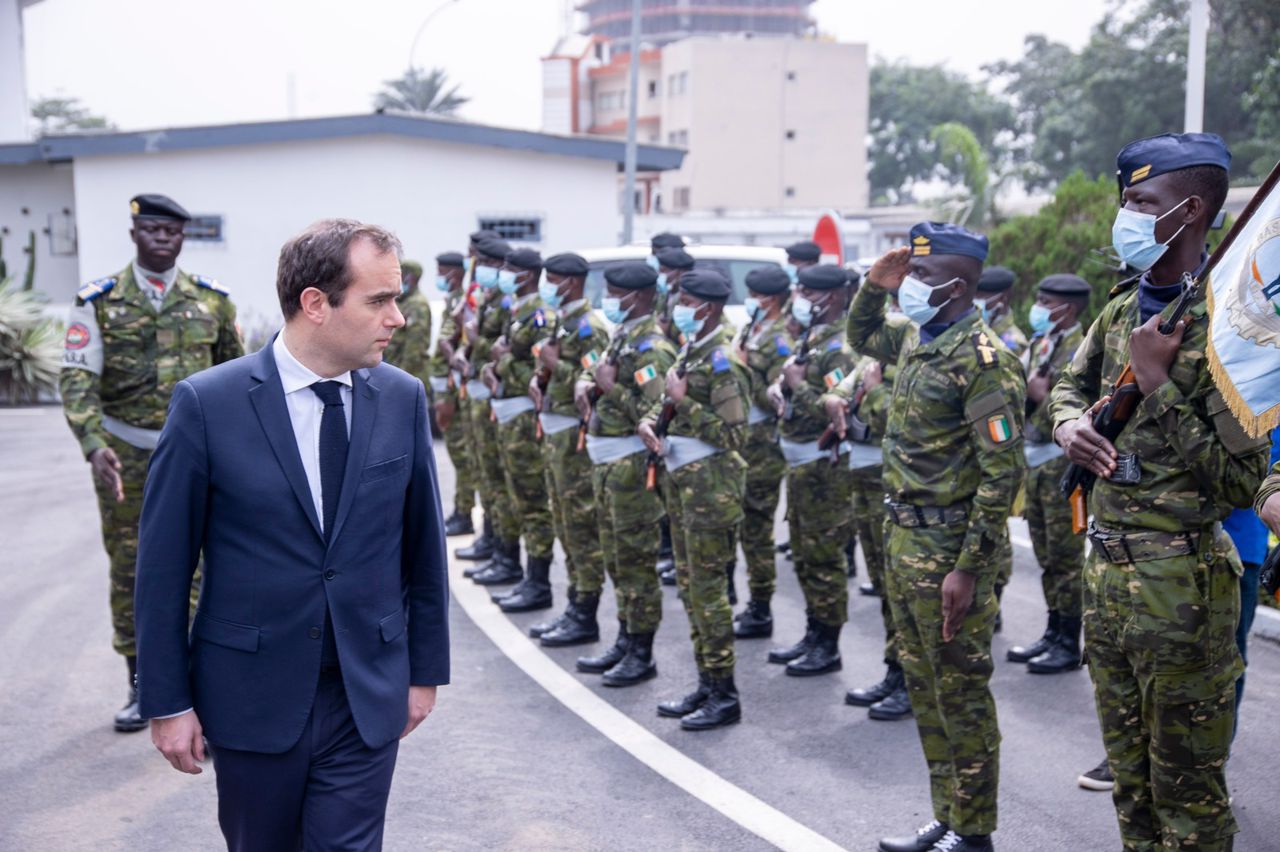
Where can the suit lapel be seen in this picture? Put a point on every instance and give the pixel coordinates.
(268, 402)
(364, 409)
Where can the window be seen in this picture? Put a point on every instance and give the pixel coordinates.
(523, 229)
(678, 138)
(680, 198)
(204, 229)
(653, 88)
(791, 192)
(791, 75)
(677, 84)
(791, 134)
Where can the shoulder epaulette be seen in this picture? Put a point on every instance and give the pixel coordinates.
(94, 289)
(209, 284)
(988, 355)
(834, 344)
(781, 344)
(1124, 286)
(719, 360)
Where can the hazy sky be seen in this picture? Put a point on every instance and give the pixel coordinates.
(155, 63)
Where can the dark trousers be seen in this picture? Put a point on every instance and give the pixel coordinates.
(1248, 607)
(328, 792)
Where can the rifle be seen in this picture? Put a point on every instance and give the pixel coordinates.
(544, 378)
(854, 427)
(665, 417)
(802, 358)
(750, 327)
(593, 396)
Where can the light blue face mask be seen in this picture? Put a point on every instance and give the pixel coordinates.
(613, 311)
(1134, 237)
(981, 305)
(550, 294)
(652, 262)
(507, 281)
(663, 285)
(684, 319)
(1041, 319)
(442, 284)
(913, 297)
(802, 310)
(752, 304)
(792, 272)
(487, 277)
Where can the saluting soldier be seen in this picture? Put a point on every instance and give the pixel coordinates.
(953, 458)
(410, 347)
(450, 271)
(130, 338)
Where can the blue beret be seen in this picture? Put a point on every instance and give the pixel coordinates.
(1168, 152)
(631, 276)
(156, 206)
(450, 258)
(823, 277)
(707, 284)
(567, 263)
(665, 240)
(493, 248)
(524, 258)
(928, 238)
(480, 236)
(996, 279)
(768, 280)
(674, 258)
(808, 251)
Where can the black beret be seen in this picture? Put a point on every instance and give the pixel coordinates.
(567, 264)
(493, 248)
(485, 234)
(995, 279)
(631, 276)
(707, 284)
(155, 206)
(524, 258)
(674, 258)
(768, 280)
(823, 277)
(450, 258)
(808, 251)
(1065, 285)
(854, 276)
(665, 240)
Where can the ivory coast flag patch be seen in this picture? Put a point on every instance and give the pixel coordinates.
(589, 360)
(833, 378)
(998, 428)
(645, 375)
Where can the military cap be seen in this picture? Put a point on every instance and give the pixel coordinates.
(768, 280)
(567, 263)
(450, 258)
(411, 266)
(1169, 152)
(854, 276)
(707, 284)
(821, 277)
(480, 236)
(155, 206)
(493, 248)
(665, 240)
(631, 275)
(1065, 285)
(674, 258)
(524, 258)
(996, 279)
(928, 238)
(808, 251)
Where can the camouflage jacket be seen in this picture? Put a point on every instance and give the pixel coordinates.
(1050, 354)
(438, 367)
(642, 354)
(583, 337)
(122, 358)
(1270, 486)
(874, 407)
(768, 348)
(530, 323)
(492, 316)
(1009, 333)
(714, 408)
(954, 429)
(1197, 462)
(411, 344)
(830, 360)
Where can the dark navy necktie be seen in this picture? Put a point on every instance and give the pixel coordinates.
(333, 450)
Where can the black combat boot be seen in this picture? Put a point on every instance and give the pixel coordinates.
(1064, 654)
(684, 706)
(868, 589)
(129, 719)
(537, 589)
(502, 570)
(1023, 654)
(754, 622)
(823, 657)
(953, 842)
(667, 572)
(876, 692)
(666, 553)
(999, 625)
(458, 524)
(611, 657)
(482, 548)
(922, 841)
(729, 569)
(894, 706)
(850, 556)
(720, 708)
(542, 628)
(798, 650)
(637, 666)
(522, 588)
(579, 626)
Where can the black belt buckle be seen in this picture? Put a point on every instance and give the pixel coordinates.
(1128, 470)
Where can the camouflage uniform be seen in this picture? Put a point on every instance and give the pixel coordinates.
(952, 453)
(1012, 337)
(818, 493)
(628, 513)
(704, 498)
(493, 317)
(1161, 606)
(138, 354)
(445, 387)
(410, 346)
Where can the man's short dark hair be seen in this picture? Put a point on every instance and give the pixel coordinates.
(318, 257)
(1208, 182)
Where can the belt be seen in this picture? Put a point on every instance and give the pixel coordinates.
(909, 516)
(439, 384)
(477, 390)
(134, 436)
(553, 424)
(1124, 548)
(1040, 453)
(681, 451)
(798, 453)
(604, 450)
(509, 409)
(758, 415)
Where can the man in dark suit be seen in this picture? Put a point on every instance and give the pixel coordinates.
(304, 474)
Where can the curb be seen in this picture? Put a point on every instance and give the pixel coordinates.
(1266, 624)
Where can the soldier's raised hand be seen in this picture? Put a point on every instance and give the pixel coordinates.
(887, 272)
(106, 470)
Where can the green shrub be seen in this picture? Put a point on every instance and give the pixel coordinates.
(30, 346)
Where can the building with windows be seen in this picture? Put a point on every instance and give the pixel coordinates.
(665, 21)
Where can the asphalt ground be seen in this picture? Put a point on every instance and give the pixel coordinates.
(504, 762)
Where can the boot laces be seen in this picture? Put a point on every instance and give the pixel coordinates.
(949, 841)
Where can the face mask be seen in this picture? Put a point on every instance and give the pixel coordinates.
(442, 284)
(1134, 237)
(613, 311)
(664, 287)
(652, 262)
(792, 272)
(549, 293)
(684, 319)
(802, 310)
(507, 281)
(487, 277)
(914, 297)
(981, 304)
(1041, 319)
(752, 304)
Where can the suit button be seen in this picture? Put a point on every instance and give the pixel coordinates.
(314, 633)
(330, 574)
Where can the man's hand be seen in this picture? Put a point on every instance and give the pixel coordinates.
(872, 377)
(445, 410)
(500, 347)
(1038, 387)
(837, 410)
(650, 437)
(1271, 513)
(181, 740)
(887, 272)
(1085, 447)
(549, 354)
(106, 470)
(774, 393)
(446, 349)
(460, 365)
(489, 376)
(422, 700)
(535, 393)
(606, 376)
(957, 597)
(582, 399)
(793, 373)
(676, 386)
(1151, 353)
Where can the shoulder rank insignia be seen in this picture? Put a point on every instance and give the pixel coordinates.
(209, 284)
(584, 328)
(985, 350)
(1009, 340)
(94, 289)
(781, 342)
(645, 345)
(506, 302)
(833, 378)
(539, 319)
(834, 344)
(719, 361)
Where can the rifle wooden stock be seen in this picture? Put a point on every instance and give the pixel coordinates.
(665, 417)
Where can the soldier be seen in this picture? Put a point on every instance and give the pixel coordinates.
(952, 462)
(694, 435)
(410, 347)
(817, 491)
(764, 346)
(1161, 599)
(626, 383)
(130, 338)
(1055, 319)
(450, 271)
(579, 342)
(667, 241)
(800, 256)
(512, 364)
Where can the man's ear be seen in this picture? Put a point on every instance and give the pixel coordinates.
(314, 304)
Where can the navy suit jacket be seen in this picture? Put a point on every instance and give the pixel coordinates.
(227, 481)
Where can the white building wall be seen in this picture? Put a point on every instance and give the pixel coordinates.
(557, 95)
(36, 197)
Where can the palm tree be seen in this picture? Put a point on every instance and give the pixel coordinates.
(420, 91)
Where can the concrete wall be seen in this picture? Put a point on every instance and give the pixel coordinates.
(45, 191)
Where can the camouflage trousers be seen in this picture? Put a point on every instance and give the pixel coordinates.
(868, 522)
(765, 471)
(526, 481)
(120, 538)
(704, 503)
(818, 498)
(491, 481)
(628, 519)
(1059, 551)
(1162, 655)
(464, 466)
(1002, 558)
(948, 681)
(573, 510)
